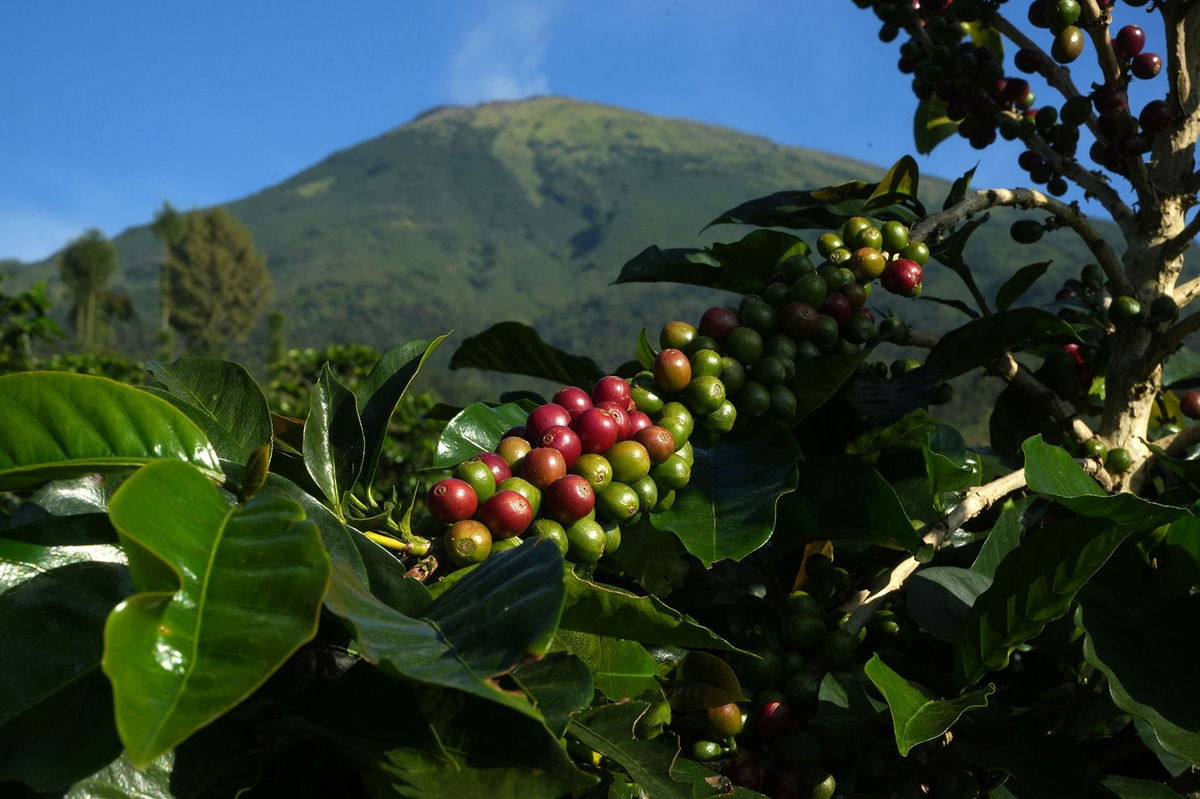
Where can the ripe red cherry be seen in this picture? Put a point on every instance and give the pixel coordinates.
(574, 399)
(1155, 116)
(902, 277)
(619, 415)
(798, 319)
(543, 418)
(506, 514)
(565, 440)
(837, 306)
(452, 500)
(1129, 42)
(744, 774)
(570, 498)
(658, 441)
(638, 421)
(542, 466)
(773, 719)
(1027, 61)
(1189, 404)
(611, 389)
(1146, 65)
(597, 430)
(1015, 90)
(1110, 99)
(718, 323)
(497, 464)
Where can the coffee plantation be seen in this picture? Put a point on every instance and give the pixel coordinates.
(751, 561)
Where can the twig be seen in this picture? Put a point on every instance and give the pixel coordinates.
(1187, 292)
(1069, 215)
(921, 338)
(1178, 444)
(1182, 329)
(978, 499)
(1008, 368)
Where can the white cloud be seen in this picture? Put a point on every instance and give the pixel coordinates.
(32, 235)
(501, 57)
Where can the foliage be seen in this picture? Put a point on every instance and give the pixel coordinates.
(794, 580)
(87, 267)
(219, 284)
(23, 320)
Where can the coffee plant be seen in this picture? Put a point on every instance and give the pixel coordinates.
(749, 562)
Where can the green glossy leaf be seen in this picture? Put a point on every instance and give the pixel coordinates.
(846, 497)
(477, 428)
(1020, 282)
(226, 595)
(899, 185)
(918, 716)
(940, 597)
(334, 443)
(743, 266)
(1149, 656)
(560, 684)
(931, 126)
(981, 340)
(949, 252)
(621, 669)
(654, 559)
(887, 401)
(1051, 470)
(650, 764)
(645, 350)
(844, 704)
(381, 391)
(221, 398)
(825, 208)
(702, 681)
(520, 595)
(514, 348)
(56, 425)
(819, 379)
(120, 779)
(605, 610)
(1130, 788)
(1004, 537)
(958, 191)
(59, 578)
(1034, 584)
(727, 510)
(957, 305)
(488, 750)
(1182, 369)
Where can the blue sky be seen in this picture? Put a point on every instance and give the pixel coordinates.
(110, 108)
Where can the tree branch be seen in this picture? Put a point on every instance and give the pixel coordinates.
(977, 499)
(1177, 245)
(1008, 368)
(1177, 444)
(1187, 292)
(1069, 215)
(1182, 329)
(920, 338)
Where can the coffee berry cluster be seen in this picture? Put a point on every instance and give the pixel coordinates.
(588, 462)
(984, 100)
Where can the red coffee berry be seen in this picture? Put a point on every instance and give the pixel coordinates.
(497, 464)
(1189, 404)
(542, 466)
(574, 399)
(718, 323)
(451, 500)
(543, 418)
(506, 514)
(1129, 42)
(597, 430)
(565, 440)
(658, 441)
(570, 498)
(611, 389)
(902, 277)
(1155, 116)
(619, 415)
(1146, 65)
(638, 421)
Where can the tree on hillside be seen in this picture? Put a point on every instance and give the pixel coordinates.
(87, 267)
(218, 281)
(167, 228)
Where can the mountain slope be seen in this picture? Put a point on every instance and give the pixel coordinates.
(517, 210)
